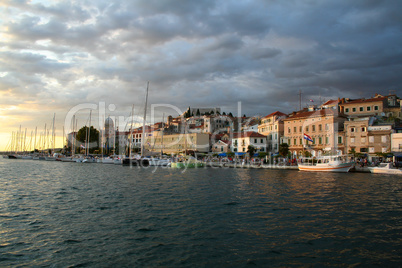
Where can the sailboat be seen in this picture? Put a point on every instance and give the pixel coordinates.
(142, 162)
(52, 156)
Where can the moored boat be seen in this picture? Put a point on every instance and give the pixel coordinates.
(336, 163)
(142, 162)
(190, 163)
(386, 168)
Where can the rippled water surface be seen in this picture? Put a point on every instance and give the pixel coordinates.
(96, 215)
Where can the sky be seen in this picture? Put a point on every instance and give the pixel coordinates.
(64, 58)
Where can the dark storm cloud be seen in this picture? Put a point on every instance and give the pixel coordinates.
(200, 53)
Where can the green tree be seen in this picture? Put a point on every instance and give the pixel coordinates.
(251, 150)
(93, 137)
(230, 114)
(283, 149)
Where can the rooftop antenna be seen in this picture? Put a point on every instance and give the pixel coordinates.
(300, 94)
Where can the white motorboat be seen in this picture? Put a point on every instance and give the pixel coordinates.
(89, 159)
(336, 163)
(107, 160)
(118, 160)
(386, 168)
(68, 159)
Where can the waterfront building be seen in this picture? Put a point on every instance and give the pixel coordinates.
(220, 147)
(356, 134)
(220, 143)
(379, 138)
(396, 145)
(379, 106)
(177, 143)
(324, 126)
(217, 124)
(272, 127)
(241, 141)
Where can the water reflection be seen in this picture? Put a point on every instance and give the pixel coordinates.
(116, 216)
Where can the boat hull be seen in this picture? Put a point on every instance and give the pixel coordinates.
(342, 168)
(135, 162)
(385, 171)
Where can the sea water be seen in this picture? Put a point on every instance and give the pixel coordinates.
(55, 214)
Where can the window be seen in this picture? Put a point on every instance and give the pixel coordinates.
(371, 139)
(313, 127)
(294, 129)
(300, 129)
(326, 140)
(301, 142)
(383, 138)
(361, 109)
(307, 129)
(276, 127)
(352, 140)
(353, 109)
(289, 130)
(371, 149)
(276, 136)
(347, 110)
(352, 129)
(319, 140)
(363, 129)
(313, 140)
(319, 127)
(376, 108)
(339, 140)
(255, 141)
(262, 140)
(363, 140)
(326, 127)
(368, 108)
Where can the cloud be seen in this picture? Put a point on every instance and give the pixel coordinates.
(207, 53)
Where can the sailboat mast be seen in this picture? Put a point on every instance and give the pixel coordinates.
(53, 134)
(143, 125)
(44, 138)
(36, 129)
(131, 132)
(163, 129)
(25, 137)
(89, 130)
